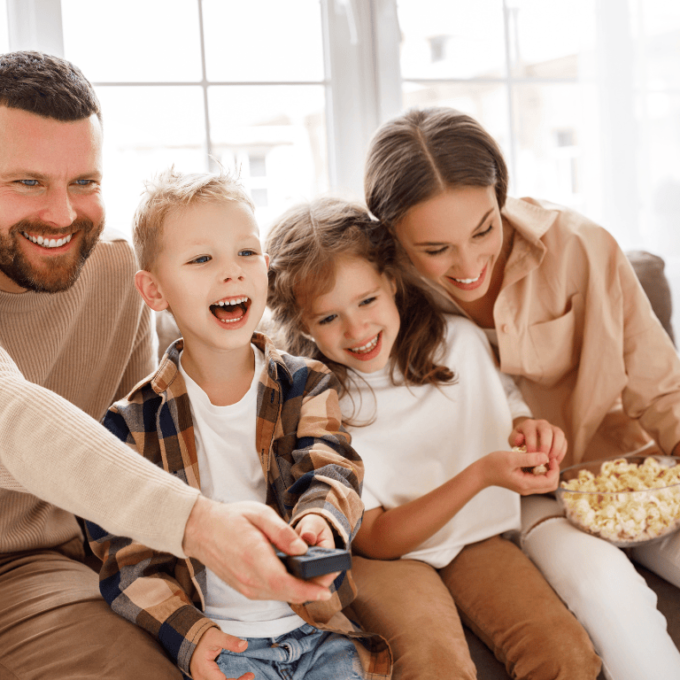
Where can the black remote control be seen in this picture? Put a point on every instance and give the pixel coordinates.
(316, 562)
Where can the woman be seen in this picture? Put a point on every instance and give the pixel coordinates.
(567, 317)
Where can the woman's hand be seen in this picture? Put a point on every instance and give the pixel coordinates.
(539, 435)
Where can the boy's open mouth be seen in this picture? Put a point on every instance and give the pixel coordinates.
(230, 310)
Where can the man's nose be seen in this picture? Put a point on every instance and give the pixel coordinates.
(58, 209)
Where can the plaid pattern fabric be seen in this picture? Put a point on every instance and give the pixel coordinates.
(310, 466)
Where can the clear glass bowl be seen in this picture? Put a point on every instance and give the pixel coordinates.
(623, 509)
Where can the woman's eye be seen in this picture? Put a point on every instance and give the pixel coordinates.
(326, 319)
(481, 234)
(201, 260)
(367, 301)
(437, 251)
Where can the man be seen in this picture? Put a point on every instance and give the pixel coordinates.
(72, 325)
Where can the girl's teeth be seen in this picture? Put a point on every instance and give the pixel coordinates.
(364, 349)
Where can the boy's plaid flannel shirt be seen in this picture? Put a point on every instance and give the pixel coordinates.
(310, 466)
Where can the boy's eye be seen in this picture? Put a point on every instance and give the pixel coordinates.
(201, 260)
(367, 301)
(247, 252)
(481, 234)
(437, 251)
(327, 319)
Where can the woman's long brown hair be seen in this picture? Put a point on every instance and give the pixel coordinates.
(304, 245)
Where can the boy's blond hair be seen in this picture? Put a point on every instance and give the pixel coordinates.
(172, 190)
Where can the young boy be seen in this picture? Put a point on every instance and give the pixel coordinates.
(230, 415)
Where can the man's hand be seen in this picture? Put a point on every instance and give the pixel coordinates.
(235, 541)
(203, 665)
(315, 530)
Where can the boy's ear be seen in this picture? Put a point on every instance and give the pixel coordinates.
(266, 260)
(148, 288)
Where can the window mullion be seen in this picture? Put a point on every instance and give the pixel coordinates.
(35, 25)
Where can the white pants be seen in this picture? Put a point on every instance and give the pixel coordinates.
(607, 595)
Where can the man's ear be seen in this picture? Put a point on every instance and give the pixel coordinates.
(149, 289)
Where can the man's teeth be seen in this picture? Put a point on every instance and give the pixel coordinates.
(369, 346)
(48, 242)
(231, 303)
(467, 280)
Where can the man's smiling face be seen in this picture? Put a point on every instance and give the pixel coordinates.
(51, 210)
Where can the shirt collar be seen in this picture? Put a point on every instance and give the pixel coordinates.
(168, 369)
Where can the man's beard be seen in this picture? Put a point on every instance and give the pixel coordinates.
(65, 270)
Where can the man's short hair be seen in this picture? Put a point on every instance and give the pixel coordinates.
(47, 86)
(170, 191)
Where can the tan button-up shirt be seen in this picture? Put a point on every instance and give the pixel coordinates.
(577, 331)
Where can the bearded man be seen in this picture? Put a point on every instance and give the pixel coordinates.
(74, 337)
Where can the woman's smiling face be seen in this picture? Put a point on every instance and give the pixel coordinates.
(455, 239)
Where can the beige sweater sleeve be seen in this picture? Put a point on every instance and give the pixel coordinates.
(53, 450)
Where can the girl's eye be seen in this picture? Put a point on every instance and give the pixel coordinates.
(201, 260)
(437, 251)
(327, 319)
(482, 234)
(367, 301)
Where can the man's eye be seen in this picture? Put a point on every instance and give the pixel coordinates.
(84, 182)
(201, 260)
(437, 251)
(327, 319)
(29, 182)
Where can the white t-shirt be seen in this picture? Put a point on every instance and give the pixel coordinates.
(422, 436)
(230, 471)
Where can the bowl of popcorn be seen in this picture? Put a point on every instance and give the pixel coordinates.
(627, 501)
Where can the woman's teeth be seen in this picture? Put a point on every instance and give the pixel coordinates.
(48, 242)
(466, 280)
(368, 347)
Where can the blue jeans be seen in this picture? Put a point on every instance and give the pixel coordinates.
(305, 652)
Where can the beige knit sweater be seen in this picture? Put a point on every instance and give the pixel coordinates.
(91, 345)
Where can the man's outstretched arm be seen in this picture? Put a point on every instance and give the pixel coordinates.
(53, 450)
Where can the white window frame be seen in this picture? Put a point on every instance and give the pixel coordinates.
(361, 57)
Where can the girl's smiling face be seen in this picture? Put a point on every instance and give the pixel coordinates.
(357, 322)
(455, 239)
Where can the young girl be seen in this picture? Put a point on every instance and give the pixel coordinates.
(429, 415)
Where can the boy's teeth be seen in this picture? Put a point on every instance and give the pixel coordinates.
(364, 349)
(48, 242)
(235, 301)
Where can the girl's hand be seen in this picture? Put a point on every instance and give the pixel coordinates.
(209, 647)
(539, 435)
(508, 469)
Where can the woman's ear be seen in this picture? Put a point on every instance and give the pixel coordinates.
(149, 288)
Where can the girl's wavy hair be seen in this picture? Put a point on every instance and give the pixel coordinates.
(304, 245)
